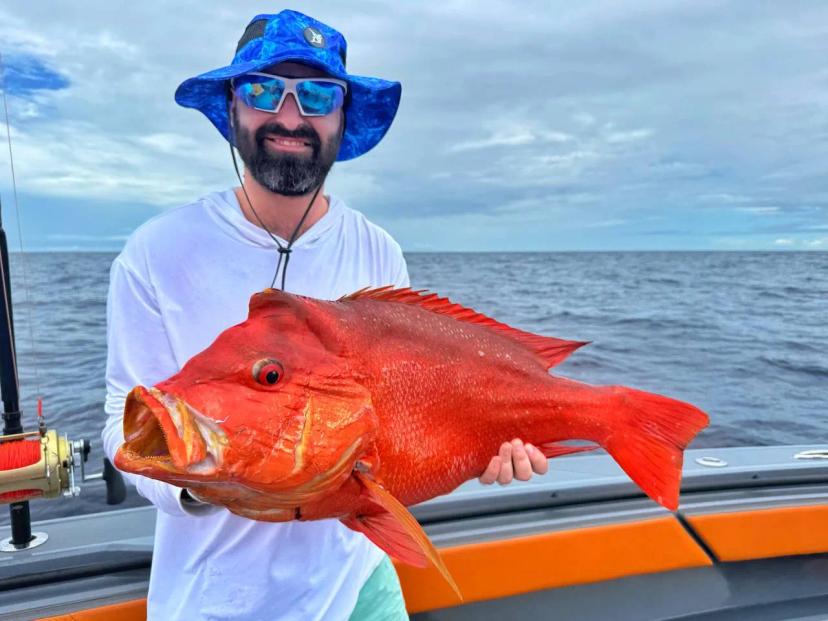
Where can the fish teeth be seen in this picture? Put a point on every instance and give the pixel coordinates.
(212, 434)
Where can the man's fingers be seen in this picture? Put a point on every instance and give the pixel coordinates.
(490, 475)
(505, 475)
(514, 461)
(539, 462)
(520, 461)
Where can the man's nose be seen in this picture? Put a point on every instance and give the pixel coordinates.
(289, 114)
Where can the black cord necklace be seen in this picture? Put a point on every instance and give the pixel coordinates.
(284, 251)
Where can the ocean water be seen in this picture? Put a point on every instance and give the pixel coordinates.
(744, 336)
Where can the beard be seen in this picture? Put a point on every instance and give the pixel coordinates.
(285, 173)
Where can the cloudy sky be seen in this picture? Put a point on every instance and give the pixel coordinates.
(524, 125)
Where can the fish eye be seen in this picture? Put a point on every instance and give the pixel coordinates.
(268, 371)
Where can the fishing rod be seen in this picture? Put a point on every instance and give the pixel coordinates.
(39, 463)
(17, 449)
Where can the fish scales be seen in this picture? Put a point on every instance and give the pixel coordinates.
(441, 393)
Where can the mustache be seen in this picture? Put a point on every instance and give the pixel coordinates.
(303, 132)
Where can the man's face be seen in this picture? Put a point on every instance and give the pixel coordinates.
(287, 153)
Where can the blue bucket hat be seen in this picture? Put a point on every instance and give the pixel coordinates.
(369, 108)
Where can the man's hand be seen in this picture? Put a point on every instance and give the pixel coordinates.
(515, 461)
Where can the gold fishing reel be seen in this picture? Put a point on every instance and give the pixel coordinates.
(50, 476)
(45, 464)
(50, 465)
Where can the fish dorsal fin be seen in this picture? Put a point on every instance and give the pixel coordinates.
(396, 531)
(551, 351)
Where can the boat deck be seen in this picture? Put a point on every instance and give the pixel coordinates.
(750, 541)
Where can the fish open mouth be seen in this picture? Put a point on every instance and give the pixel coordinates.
(164, 432)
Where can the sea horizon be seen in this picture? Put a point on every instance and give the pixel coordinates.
(511, 252)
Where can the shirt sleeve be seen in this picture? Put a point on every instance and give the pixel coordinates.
(138, 352)
(399, 268)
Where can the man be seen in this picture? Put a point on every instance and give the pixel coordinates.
(290, 108)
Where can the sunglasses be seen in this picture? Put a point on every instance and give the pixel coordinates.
(314, 96)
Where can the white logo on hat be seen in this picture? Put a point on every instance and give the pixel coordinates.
(314, 37)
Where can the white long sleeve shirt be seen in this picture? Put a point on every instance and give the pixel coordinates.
(182, 278)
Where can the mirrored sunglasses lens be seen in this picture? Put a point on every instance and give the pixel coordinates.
(319, 98)
(261, 94)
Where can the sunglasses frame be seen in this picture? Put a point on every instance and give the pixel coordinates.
(290, 88)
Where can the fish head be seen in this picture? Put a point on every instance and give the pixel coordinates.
(273, 406)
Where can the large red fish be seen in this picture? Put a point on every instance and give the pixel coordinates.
(353, 409)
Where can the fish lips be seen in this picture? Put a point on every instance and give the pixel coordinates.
(167, 438)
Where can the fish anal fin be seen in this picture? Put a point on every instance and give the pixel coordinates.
(557, 449)
(552, 351)
(396, 531)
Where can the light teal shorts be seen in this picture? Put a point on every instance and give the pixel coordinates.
(381, 598)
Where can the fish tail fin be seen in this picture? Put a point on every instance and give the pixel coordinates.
(650, 433)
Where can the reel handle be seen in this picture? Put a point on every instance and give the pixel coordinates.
(116, 491)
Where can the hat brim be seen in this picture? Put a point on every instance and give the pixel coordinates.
(370, 109)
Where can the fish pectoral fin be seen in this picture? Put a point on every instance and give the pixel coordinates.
(396, 531)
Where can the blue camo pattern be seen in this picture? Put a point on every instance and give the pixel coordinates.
(369, 109)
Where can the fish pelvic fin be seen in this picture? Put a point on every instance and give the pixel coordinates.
(396, 531)
(551, 351)
(648, 438)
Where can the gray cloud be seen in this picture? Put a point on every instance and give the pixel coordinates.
(530, 120)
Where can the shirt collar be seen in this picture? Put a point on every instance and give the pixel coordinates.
(229, 210)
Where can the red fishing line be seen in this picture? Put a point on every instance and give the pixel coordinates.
(19, 454)
(19, 495)
(15, 455)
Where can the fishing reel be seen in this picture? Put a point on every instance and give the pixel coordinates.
(44, 464)
(48, 465)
